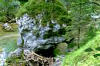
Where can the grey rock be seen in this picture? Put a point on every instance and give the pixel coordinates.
(33, 33)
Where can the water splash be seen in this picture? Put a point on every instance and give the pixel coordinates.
(3, 56)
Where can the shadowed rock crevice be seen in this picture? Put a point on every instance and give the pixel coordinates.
(46, 53)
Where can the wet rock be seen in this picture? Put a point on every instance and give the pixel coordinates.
(7, 27)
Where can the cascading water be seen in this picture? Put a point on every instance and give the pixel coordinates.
(3, 56)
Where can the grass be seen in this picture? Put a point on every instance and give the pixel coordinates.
(82, 57)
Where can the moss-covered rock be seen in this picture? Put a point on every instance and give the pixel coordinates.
(50, 10)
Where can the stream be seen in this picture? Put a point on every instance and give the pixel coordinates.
(6, 46)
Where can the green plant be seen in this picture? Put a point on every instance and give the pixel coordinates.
(8, 8)
(50, 10)
(81, 57)
(3, 18)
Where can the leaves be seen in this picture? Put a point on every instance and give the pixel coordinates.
(8, 8)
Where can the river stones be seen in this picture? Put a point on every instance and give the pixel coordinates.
(7, 27)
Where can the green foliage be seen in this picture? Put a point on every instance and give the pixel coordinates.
(76, 14)
(81, 57)
(3, 18)
(8, 8)
(50, 33)
(13, 60)
(50, 10)
(23, 0)
(60, 49)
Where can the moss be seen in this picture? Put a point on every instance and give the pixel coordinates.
(66, 19)
(15, 61)
(3, 18)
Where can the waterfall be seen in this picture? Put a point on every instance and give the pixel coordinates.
(3, 56)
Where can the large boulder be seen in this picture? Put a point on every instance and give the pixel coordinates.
(39, 38)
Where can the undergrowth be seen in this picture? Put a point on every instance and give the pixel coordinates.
(87, 55)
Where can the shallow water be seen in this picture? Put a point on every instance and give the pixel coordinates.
(7, 44)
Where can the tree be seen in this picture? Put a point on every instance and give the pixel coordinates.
(8, 8)
(80, 12)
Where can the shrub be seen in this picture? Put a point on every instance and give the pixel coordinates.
(8, 8)
(50, 10)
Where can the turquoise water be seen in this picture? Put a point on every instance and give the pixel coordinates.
(7, 45)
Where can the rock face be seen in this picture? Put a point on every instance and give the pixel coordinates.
(39, 38)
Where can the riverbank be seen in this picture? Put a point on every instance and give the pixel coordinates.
(14, 27)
